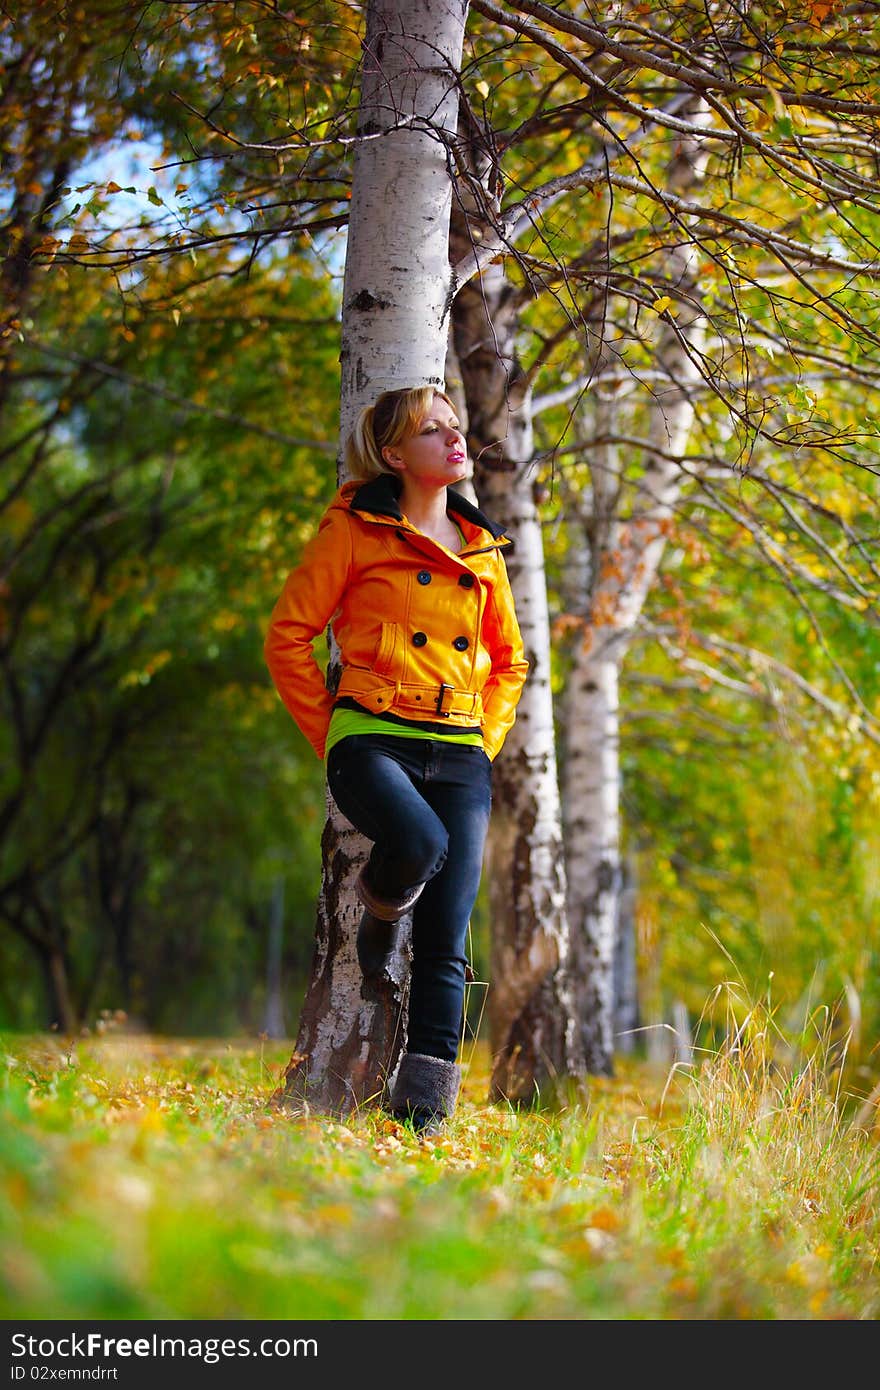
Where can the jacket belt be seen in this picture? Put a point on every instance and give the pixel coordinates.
(410, 698)
(431, 701)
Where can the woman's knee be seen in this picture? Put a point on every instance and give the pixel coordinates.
(422, 853)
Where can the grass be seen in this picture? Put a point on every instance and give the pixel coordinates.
(147, 1178)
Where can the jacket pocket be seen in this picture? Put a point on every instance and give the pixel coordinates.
(386, 648)
(368, 689)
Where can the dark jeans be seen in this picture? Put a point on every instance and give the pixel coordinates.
(425, 804)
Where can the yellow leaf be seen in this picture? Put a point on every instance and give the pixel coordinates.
(819, 12)
(661, 305)
(483, 89)
(77, 244)
(604, 1219)
(46, 249)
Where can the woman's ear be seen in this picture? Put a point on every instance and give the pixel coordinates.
(393, 460)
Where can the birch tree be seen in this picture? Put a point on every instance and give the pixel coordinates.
(627, 538)
(531, 1009)
(395, 326)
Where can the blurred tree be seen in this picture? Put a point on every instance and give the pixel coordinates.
(148, 512)
(159, 393)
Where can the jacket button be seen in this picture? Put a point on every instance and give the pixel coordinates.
(419, 639)
(424, 576)
(466, 581)
(461, 644)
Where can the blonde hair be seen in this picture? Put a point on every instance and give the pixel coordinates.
(393, 416)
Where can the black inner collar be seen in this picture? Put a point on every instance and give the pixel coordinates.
(380, 495)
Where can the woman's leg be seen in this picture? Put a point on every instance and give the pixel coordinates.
(458, 787)
(426, 807)
(375, 780)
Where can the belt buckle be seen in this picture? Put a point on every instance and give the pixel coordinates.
(444, 691)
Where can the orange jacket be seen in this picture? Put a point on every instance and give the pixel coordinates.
(423, 633)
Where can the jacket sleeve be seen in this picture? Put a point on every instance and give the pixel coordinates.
(509, 665)
(310, 597)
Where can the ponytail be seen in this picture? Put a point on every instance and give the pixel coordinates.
(393, 416)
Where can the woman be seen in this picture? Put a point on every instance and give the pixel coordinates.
(412, 578)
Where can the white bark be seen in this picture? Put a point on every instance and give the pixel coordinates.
(394, 331)
(682, 1044)
(397, 276)
(626, 571)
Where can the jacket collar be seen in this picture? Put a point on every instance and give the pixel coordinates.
(381, 497)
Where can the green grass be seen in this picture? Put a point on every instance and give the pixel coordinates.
(148, 1178)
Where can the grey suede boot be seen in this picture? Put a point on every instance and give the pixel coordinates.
(377, 931)
(425, 1091)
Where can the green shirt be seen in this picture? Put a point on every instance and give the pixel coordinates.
(352, 721)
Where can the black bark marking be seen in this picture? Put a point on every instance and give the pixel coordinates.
(364, 301)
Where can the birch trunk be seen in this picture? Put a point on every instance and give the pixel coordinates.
(624, 576)
(394, 330)
(625, 561)
(627, 1015)
(533, 1034)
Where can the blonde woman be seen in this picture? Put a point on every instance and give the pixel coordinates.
(411, 576)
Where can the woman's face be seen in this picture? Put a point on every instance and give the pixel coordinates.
(435, 454)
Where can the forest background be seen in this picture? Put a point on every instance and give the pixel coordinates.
(176, 179)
